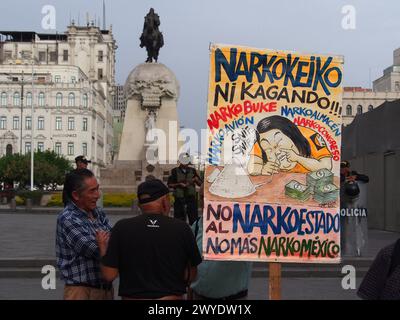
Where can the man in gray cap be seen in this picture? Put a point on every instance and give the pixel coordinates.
(155, 256)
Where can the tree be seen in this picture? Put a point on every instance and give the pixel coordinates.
(49, 169)
(14, 168)
(52, 169)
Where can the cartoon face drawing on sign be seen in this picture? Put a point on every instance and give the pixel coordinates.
(283, 146)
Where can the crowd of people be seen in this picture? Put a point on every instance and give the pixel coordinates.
(155, 256)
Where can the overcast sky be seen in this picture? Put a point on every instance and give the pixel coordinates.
(190, 25)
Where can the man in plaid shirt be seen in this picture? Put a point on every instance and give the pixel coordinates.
(78, 227)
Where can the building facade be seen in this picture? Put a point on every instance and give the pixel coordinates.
(357, 100)
(119, 109)
(68, 81)
(119, 106)
(390, 80)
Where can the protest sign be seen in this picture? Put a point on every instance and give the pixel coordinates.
(273, 163)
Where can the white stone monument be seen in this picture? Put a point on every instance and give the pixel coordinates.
(152, 91)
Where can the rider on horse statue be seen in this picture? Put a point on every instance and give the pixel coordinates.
(151, 37)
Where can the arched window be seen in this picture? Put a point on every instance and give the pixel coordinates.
(29, 99)
(349, 110)
(16, 99)
(9, 150)
(59, 99)
(85, 100)
(71, 100)
(41, 99)
(359, 109)
(3, 99)
(370, 108)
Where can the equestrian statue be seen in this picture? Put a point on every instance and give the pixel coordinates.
(151, 37)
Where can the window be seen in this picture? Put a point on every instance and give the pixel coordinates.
(59, 98)
(9, 150)
(40, 146)
(73, 79)
(57, 79)
(85, 100)
(27, 147)
(57, 148)
(70, 148)
(349, 110)
(42, 56)
(25, 54)
(3, 122)
(41, 123)
(71, 123)
(359, 109)
(3, 99)
(29, 99)
(41, 99)
(53, 56)
(84, 149)
(100, 57)
(58, 123)
(71, 100)
(100, 74)
(15, 123)
(85, 123)
(28, 123)
(65, 55)
(7, 54)
(16, 99)
(370, 108)
(397, 86)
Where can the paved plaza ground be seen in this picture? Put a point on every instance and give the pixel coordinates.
(292, 288)
(32, 236)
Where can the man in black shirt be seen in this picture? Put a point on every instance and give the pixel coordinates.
(155, 256)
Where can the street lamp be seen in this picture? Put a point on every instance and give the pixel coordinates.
(32, 121)
(22, 106)
(32, 125)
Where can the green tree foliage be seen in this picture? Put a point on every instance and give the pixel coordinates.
(49, 169)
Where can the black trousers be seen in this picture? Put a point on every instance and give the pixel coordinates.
(186, 207)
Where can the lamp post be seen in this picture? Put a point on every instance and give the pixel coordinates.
(22, 105)
(32, 125)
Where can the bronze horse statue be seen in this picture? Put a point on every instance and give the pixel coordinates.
(151, 37)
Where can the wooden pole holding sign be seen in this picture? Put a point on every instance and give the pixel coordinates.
(275, 276)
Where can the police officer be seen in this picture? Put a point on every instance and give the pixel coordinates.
(183, 180)
(81, 162)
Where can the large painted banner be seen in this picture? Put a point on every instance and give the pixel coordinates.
(273, 163)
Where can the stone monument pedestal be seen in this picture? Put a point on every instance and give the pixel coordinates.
(125, 176)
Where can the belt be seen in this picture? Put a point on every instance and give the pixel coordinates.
(235, 296)
(104, 286)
